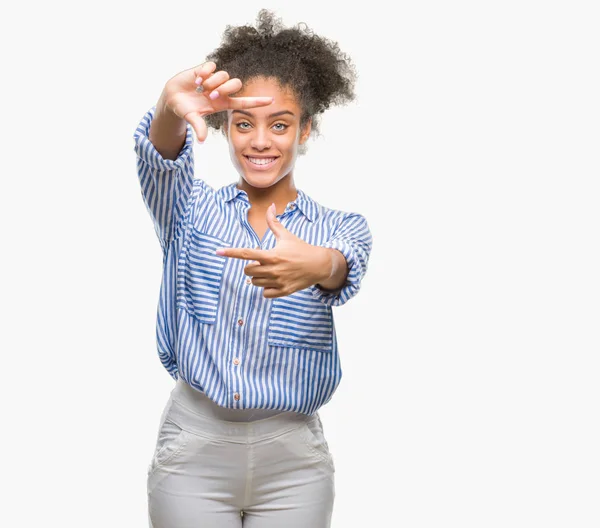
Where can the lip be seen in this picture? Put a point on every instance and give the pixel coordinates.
(261, 167)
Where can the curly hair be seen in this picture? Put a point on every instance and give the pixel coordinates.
(311, 66)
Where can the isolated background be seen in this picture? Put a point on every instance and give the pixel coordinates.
(470, 356)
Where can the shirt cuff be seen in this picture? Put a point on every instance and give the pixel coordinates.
(352, 284)
(148, 153)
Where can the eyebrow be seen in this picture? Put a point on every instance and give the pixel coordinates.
(271, 115)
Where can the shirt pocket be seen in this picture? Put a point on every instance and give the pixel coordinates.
(200, 276)
(301, 321)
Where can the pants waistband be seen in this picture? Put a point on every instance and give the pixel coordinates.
(189, 409)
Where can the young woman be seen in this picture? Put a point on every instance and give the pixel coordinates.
(251, 273)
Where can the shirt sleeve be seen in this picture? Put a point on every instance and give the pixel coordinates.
(165, 184)
(354, 240)
(169, 362)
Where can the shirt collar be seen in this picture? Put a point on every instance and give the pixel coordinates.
(305, 203)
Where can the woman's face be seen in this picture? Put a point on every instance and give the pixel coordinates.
(263, 141)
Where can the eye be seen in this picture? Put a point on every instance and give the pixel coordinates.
(239, 125)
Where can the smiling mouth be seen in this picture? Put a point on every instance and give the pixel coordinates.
(262, 163)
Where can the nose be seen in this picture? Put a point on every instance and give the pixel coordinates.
(260, 139)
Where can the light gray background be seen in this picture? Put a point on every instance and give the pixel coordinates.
(470, 356)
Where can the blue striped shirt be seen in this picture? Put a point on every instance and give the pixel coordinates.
(214, 328)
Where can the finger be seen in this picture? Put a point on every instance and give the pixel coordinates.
(270, 293)
(258, 270)
(236, 103)
(273, 222)
(204, 70)
(216, 80)
(243, 253)
(198, 83)
(228, 87)
(198, 124)
(263, 283)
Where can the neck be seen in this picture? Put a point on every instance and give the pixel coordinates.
(282, 192)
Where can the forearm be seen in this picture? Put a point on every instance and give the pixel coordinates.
(338, 269)
(167, 131)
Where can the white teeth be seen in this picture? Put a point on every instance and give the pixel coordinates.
(261, 161)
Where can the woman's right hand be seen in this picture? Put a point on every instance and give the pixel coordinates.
(181, 97)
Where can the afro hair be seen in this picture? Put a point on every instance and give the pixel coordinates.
(311, 66)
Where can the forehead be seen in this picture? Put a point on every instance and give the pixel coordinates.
(284, 98)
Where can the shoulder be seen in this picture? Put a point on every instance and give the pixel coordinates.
(329, 216)
(344, 224)
(207, 198)
(339, 217)
(201, 186)
(203, 190)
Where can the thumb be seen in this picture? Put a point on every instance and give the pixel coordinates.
(198, 124)
(273, 223)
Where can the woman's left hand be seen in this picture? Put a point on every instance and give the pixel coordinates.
(291, 265)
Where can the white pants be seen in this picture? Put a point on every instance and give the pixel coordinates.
(209, 472)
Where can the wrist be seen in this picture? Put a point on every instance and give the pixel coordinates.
(165, 113)
(323, 265)
(332, 263)
(334, 272)
(328, 268)
(167, 130)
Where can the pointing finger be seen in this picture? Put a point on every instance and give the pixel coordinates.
(237, 103)
(259, 255)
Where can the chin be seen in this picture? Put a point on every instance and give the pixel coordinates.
(261, 182)
(260, 179)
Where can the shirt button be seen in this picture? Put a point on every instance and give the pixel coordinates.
(293, 206)
(236, 396)
(240, 321)
(248, 281)
(236, 361)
